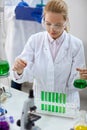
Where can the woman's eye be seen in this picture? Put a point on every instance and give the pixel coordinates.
(48, 24)
(57, 25)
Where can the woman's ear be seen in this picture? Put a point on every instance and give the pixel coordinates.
(67, 25)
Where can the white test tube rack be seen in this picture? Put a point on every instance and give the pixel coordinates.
(55, 103)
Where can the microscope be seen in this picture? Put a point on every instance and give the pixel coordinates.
(29, 124)
(29, 116)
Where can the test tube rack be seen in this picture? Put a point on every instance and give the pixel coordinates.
(53, 103)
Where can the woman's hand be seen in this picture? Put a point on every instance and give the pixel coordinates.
(83, 73)
(19, 66)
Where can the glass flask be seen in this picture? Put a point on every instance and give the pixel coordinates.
(81, 124)
(4, 79)
(80, 83)
(4, 68)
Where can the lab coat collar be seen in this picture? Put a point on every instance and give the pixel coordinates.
(58, 40)
(63, 49)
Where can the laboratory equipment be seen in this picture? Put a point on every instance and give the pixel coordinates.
(4, 94)
(57, 103)
(29, 116)
(4, 68)
(2, 110)
(4, 125)
(5, 122)
(80, 83)
(29, 125)
(41, 4)
(81, 124)
(4, 76)
(4, 65)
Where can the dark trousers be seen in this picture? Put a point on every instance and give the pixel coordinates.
(16, 85)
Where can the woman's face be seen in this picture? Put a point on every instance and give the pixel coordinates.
(54, 24)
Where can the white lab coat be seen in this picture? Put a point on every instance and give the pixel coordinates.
(49, 75)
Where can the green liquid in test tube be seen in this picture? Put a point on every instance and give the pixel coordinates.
(42, 106)
(53, 97)
(64, 98)
(42, 96)
(49, 96)
(61, 98)
(56, 108)
(46, 94)
(52, 108)
(45, 107)
(56, 97)
(59, 109)
(49, 107)
(64, 110)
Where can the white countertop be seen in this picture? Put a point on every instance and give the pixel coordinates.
(14, 106)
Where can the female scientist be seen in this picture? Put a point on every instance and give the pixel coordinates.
(50, 58)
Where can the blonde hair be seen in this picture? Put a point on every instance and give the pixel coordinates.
(57, 6)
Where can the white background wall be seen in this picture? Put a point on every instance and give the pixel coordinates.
(78, 20)
(78, 27)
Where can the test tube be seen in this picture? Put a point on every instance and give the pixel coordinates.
(53, 97)
(57, 108)
(42, 96)
(49, 96)
(49, 107)
(56, 97)
(42, 106)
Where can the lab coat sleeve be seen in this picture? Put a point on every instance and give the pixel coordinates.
(28, 56)
(77, 62)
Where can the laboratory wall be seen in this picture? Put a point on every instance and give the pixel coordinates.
(78, 27)
(2, 35)
(78, 20)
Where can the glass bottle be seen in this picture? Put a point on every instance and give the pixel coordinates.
(80, 83)
(81, 124)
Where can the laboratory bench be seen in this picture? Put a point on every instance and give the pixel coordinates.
(14, 105)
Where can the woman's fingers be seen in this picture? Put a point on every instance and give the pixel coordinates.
(22, 62)
(19, 65)
(82, 70)
(83, 73)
